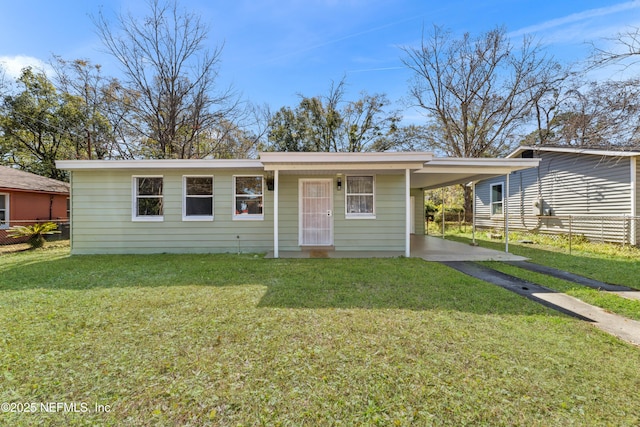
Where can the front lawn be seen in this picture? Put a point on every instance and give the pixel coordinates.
(230, 340)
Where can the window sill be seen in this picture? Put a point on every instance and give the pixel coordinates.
(147, 219)
(197, 218)
(366, 216)
(248, 217)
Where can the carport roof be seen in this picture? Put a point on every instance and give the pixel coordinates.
(442, 172)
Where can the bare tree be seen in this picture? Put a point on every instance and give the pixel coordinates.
(626, 51)
(477, 92)
(170, 79)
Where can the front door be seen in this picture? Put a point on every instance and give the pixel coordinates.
(316, 212)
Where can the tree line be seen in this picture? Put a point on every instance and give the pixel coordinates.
(480, 97)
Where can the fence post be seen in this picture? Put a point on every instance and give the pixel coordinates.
(570, 232)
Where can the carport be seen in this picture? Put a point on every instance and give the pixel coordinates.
(444, 172)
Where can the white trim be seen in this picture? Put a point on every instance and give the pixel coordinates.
(505, 209)
(276, 215)
(491, 201)
(300, 207)
(348, 215)
(7, 211)
(634, 198)
(407, 189)
(576, 150)
(134, 199)
(186, 217)
(247, 216)
(159, 164)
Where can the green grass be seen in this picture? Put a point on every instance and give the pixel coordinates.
(227, 340)
(605, 262)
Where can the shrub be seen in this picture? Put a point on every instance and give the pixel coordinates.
(34, 233)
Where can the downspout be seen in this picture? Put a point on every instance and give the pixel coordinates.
(51, 207)
(407, 189)
(276, 243)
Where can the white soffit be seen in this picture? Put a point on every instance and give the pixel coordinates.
(450, 171)
(158, 164)
(344, 161)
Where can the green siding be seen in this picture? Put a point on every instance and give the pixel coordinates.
(102, 216)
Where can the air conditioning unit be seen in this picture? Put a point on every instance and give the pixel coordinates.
(538, 207)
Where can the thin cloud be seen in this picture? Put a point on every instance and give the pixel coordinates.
(576, 17)
(13, 65)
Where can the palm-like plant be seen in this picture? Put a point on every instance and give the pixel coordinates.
(34, 233)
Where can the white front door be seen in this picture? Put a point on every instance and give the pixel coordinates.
(316, 212)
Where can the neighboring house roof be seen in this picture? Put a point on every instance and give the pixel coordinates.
(16, 179)
(577, 150)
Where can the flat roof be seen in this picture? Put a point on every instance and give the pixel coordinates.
(577, 150)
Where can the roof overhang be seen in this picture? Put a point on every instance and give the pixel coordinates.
(74, 165)
(344, 161)
(442, 172)
(575, 150)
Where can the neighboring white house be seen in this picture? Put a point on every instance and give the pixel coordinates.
(589, 192)
(280, 202)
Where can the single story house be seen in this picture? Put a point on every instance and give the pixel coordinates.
(26, 198)
(589, 192)
(280, 202)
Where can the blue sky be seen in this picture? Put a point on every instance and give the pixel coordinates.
(277, 49)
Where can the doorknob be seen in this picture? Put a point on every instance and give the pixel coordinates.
(328, 213)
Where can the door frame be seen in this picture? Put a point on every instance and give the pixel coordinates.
(300, 207)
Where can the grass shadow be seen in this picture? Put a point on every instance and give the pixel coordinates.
(392, 283)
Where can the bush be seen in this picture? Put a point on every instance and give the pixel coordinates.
(34, 233)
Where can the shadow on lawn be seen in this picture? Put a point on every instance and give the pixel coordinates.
(397, 283)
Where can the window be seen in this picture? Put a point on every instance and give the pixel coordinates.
(148, 198)
(496, 199)
(198, 198)
(359, 194)
(4, 211)
(247, 197)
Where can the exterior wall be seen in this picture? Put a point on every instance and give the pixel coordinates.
(102, 216)
(419, 213)
(569, 184)
(27, 206)
(384, 233)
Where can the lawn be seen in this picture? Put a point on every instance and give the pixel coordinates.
(227, 340)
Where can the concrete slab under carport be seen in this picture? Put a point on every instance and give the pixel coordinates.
(429, 248)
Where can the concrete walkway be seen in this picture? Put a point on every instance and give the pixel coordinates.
(621, 327)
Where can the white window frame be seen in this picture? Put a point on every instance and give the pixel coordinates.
(134, 199)
(493, 202)
(247, 216)
(186, 217)
(6, 211)
(368, 215)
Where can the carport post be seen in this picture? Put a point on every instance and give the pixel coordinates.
(473, 213)
(276, 243)
(407, 185)
(506, 217)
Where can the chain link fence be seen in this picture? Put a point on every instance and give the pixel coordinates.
(624, 229)
(63, 226)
